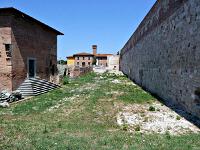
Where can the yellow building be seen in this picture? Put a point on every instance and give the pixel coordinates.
(70, 60)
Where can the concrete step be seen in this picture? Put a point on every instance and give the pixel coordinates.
(33, 87)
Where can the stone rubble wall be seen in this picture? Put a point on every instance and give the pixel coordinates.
(77, 71)
(163, 55)
(61, 69)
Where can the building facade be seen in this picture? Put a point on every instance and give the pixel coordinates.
(113, 62)
(70, 61)
(83, 59)
(88, 59)
(102, 59)
(28, 49)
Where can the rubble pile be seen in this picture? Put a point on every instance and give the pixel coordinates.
(8, 97)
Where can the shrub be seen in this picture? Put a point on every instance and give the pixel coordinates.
(167, 134)
(178, 118)
(151, 108)
(125, 127)
(137, 128)
(65, 80)
(45, 130)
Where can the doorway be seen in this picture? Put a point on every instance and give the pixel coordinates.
(83, 64)
(31, 67)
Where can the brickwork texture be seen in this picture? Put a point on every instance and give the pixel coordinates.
(29, 39)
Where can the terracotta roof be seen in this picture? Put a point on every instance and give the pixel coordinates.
(14, 11)
(83, 54)
(70, 56)
(103, 55)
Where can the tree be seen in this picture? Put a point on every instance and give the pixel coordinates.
(94, 61)
(62, 62)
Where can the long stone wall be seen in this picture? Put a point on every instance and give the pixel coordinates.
(163, 55)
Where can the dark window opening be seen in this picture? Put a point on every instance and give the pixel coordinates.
(50, 63)
(197, 96)
(83, 64)
(88, 58)
(188, 44)
(8, 48)
(31, 68)
(83, 58)
(53, 70)
(77, 58)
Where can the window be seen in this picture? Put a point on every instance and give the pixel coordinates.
(83, 58)
(83, 64)
(77, 58)
(88, 58)
(77, 63)
(8, 48)
(89, 63)
(197, 96)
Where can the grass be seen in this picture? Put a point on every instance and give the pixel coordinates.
(84, 119)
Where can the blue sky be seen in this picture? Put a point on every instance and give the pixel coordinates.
(107, 23)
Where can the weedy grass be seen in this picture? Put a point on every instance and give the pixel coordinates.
(87, 122)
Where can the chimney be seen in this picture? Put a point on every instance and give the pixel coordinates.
(94, 48)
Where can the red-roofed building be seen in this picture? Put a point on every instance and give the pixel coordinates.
(83, 59)
(87, 59)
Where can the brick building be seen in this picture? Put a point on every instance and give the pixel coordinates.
(83, 59)
(102, 59)
(28, 49)
(87, 59)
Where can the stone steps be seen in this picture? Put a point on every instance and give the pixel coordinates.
(35, 86)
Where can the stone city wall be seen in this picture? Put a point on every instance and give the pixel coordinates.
(163, 55)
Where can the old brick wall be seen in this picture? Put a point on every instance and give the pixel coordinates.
(5, 63)
(163, 55)
(31, 40)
